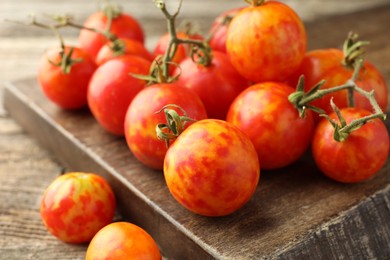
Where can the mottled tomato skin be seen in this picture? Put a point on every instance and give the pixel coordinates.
(267, 42)
(216, 85)
(68, 91)
(112, 88)
(356, 159)
(122, 241)
(132, 47)
(212, 168)
(76, 205)
(141, 119)
(218, 30)
(369, 79)
(123, 26)
(265, 115)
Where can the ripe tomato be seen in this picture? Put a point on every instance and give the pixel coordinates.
(131, 47)
(76, 205)
(182, 50)
(112, 88)
(266, 42)
(123, 26)
(67, 90)
(219, 28)
(122, 240)
(326, 64)
(141, 119)
(217, 85)
(273, 124)
(212, 168)
(356, 159)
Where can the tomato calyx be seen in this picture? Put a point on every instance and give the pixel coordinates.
(353, 50)
(255, 2)
(175, 123)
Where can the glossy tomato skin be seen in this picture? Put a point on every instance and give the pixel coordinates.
(369, 79)
(123, 26)
(141, 119)
(265, 115)
(212, 168)
(217, 85)
(67, 90)
(122, 241)
(112, 88)
(219, 29)
(266, 42)
(132, 47)
(356, 159)
(76, 205)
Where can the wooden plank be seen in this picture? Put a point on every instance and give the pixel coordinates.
(292, 210)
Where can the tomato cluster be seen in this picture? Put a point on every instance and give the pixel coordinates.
(222, 103)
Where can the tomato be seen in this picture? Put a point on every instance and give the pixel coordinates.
(326, 64)
(112, 88)
(67, 90)
(123, 26)
(273, 124)
(266, 42)
(219, 28)
(129, 47)
(356, 159)
(122, 240)
(182, 50)
(141, 119)
(217, 85)
(76, 205)
(212, 168)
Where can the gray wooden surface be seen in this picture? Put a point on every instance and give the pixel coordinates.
(26, 169)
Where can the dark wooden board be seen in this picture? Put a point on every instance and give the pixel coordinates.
(296, 212)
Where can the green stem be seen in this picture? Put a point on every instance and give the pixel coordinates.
(255, 2)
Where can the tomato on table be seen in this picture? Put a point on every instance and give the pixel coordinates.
(212, 168)
(264, 113)
(76, 205)
(356, 159)
(122, 241)
(64, 74)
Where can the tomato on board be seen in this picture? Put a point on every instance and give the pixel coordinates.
(142, 118)
(326, 64)
(264, 113)
(68, 90)
(122, 241)
(355, 159)
(217, 84)
(128, 46)
(219, 28)
(122, 26)
(76, 205)
(112, 88)
(266, 42)
(212, 168)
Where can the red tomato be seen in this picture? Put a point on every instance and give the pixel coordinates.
(112, 88)
(217, 85)
(356, 159)
(266, 42)
(67, 90)
(212, 168)
(122, 26)
(264, 113)
(76, 205)
(131, 47)
(122, 241)
(219, 28)
(182, 50)
(326, 64)
(141, 119)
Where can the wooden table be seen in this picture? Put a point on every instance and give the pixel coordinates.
(359, 229)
